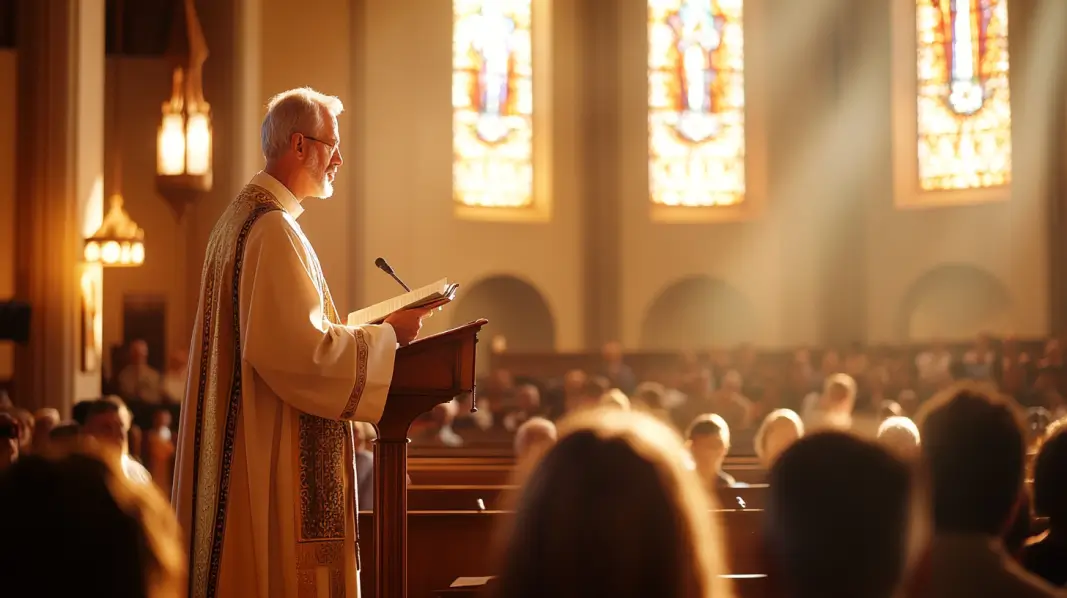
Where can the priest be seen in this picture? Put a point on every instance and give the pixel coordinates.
(265, 473)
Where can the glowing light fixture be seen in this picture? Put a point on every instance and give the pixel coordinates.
(118, 241)
(183, 145)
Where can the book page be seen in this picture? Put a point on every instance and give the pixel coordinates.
(439, 292)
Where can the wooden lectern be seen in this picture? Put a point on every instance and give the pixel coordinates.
(426, 373)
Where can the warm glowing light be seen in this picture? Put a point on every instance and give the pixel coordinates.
(964, 108)
(198, 143)
(118, 242)
(92, 251)
(183, 146)
(492, 101)
(696, 102)
(111, 253)
(171, 146)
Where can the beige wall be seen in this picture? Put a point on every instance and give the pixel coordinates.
(8, 99)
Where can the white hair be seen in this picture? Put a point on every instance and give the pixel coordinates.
(844, 381)
(294, 111)
(534, 432)
(759, 442)
(899, 428)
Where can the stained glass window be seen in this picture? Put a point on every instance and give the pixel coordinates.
(492, 103)
(696, 102)
(964, 112)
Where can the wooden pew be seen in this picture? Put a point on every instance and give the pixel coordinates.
(497, 470)
(744, 586)
(443, 545)
(464, 497)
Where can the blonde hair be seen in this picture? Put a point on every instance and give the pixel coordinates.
(613, 466)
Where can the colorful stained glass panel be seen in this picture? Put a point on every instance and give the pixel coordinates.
(492, 103)
(964, 108)
(696, 102)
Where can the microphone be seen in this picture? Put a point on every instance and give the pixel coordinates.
(385, 267)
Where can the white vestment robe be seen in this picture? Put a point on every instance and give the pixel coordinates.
(265, 478)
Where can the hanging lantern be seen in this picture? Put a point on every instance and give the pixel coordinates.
(118, 241)
(183, 147)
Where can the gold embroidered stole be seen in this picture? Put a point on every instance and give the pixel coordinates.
(323, 446)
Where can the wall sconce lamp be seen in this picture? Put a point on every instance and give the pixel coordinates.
(118, 241)
(183, 148)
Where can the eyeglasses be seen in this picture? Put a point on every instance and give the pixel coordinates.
(331, 145)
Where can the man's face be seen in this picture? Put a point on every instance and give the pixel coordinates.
(106, 427)
(324, 158)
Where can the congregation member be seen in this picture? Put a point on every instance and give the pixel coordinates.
(708, 442)
(844, 519)
(973, 447)
(779, 430)
(74, 525)
(612, 511)
(1047, 555)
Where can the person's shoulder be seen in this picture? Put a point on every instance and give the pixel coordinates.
(273, 230)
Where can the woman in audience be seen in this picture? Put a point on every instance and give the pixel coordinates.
(780, 429)
(1048, 556)
(75, 526)
(612, 511)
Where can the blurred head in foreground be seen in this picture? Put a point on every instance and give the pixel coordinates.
(77, 511)
(843, 519)
(611, 510)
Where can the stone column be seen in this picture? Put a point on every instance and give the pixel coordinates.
(601, 209)
(59, 171)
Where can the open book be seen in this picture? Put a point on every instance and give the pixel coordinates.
(429, 296)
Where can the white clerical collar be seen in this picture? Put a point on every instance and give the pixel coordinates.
(280, 192)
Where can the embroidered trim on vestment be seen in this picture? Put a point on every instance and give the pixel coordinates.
(208, 580)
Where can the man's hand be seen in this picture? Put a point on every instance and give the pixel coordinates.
(407, 323)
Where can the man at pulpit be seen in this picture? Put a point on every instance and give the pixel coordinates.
(265, 482)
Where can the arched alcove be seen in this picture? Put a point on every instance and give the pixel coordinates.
(954, 301)
(698, 312)
(515, 309)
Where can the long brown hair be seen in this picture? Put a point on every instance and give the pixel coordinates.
(612, 511)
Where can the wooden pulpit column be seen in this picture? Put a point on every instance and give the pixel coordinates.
(426, 373)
